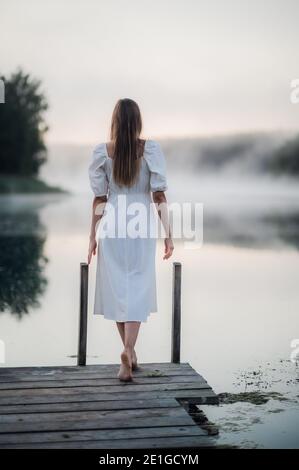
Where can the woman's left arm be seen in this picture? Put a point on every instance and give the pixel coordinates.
(98, 206)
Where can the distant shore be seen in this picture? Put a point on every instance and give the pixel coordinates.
(12, 184)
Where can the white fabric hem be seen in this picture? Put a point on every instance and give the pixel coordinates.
(143, 319)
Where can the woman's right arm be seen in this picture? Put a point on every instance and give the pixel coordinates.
(98, 206)
(160, 201)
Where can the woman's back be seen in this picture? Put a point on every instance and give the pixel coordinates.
(125, 283)
(151, 177)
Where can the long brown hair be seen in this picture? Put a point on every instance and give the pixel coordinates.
(126, 126)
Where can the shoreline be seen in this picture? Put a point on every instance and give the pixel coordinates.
(13, 184)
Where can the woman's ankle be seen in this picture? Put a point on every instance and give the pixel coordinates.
(129, 350)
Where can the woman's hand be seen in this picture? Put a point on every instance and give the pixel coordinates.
(168, 248)
(92, 248)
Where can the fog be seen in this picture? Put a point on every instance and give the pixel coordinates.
(244, 204)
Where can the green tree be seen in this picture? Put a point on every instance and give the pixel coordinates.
(22, 126)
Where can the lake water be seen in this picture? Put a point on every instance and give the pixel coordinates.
(240, 297)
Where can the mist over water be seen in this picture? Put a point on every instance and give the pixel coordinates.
(223, 161)
(244, 203)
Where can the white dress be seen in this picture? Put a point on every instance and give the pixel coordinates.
(125, 288)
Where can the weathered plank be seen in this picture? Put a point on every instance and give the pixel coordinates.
(89, 406)
(92, 367)
(102, 386)
(96, 420)
(97, 374)
(121, 387)
(102, 434)
(90, 372)
(89, 415)
(194, 396)
(96, 382)
(176, 442)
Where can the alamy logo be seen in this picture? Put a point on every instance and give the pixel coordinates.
(294, 96)
(294, 356)
(133, 220)
(2, 91)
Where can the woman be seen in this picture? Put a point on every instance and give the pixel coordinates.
(123, 173)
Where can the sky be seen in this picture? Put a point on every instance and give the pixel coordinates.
(195, 67)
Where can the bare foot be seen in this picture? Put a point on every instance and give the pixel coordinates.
(125, 371)
(134, 361)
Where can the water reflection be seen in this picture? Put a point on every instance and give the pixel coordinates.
(22, 259)
(259, 231)
(22, 280)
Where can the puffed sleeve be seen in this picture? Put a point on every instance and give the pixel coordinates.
(96, 171)
(157, 165)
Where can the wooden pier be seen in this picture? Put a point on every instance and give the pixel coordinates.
(87, 406)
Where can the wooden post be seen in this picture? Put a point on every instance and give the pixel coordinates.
(176, 313)
(83, 314)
